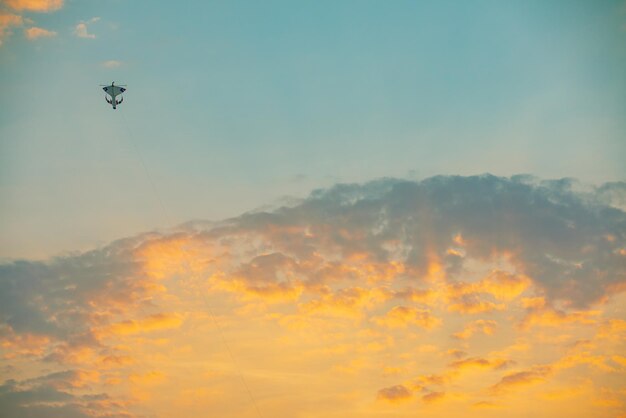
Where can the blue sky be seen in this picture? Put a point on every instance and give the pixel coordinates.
(232, 105)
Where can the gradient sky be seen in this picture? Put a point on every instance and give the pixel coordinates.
(233, 105)
(349, 255)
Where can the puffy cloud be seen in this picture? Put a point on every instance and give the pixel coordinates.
(402, 316)
(483, 326)
(9, 20)
(36, 33)
(542, 314)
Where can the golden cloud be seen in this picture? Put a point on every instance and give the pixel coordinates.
(36, 33)
(347, 303)
(483, 326)
(433, 397)
(156, 322)
(534, 375)
(35, 5)
(402, 317)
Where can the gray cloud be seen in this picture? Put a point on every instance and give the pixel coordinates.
(41, 397)
(569, 242)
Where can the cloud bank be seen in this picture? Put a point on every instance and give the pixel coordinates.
(470, 267)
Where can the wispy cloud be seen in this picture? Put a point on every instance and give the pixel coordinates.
(112, 64)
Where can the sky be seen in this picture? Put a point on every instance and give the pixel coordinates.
(304, 209)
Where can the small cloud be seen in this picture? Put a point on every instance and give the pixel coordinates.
(112, 64)
(433, 397)
(35, 5)
(36, 33)
(484, 326)
(402, 316)
(394, 393)
(456, 353)
(81, 30)
(534, 375)
(7, 21)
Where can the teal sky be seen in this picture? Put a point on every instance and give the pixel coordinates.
(233, 105)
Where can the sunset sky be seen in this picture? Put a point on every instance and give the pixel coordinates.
(313, 209)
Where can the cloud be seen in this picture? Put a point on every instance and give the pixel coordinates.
(479, 363)
(34, 5)
(534, 375)
(483, 326)
(54, 396)
(394, 393)
(402, 317)
(81, 31)
(36, 33)
(353, 266)
(8, 21)
(539, 313)
(112, 64)
(433, 397)
(156, 322)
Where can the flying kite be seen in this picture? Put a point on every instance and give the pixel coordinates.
(113, 91)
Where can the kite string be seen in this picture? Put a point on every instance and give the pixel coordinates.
(186, 256)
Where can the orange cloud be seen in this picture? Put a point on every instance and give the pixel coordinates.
(35, 5)
(157, 322)
(503, 286)
(456, 353)
(478, 363)
(535, 375)
(36, 33)
(539, 313)
(433, 397)
(402, 317)
(147, 379)
(19, 345)
(347, 303)
(7, 21)
(469, 298)
(486, 327)
(165, 257)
